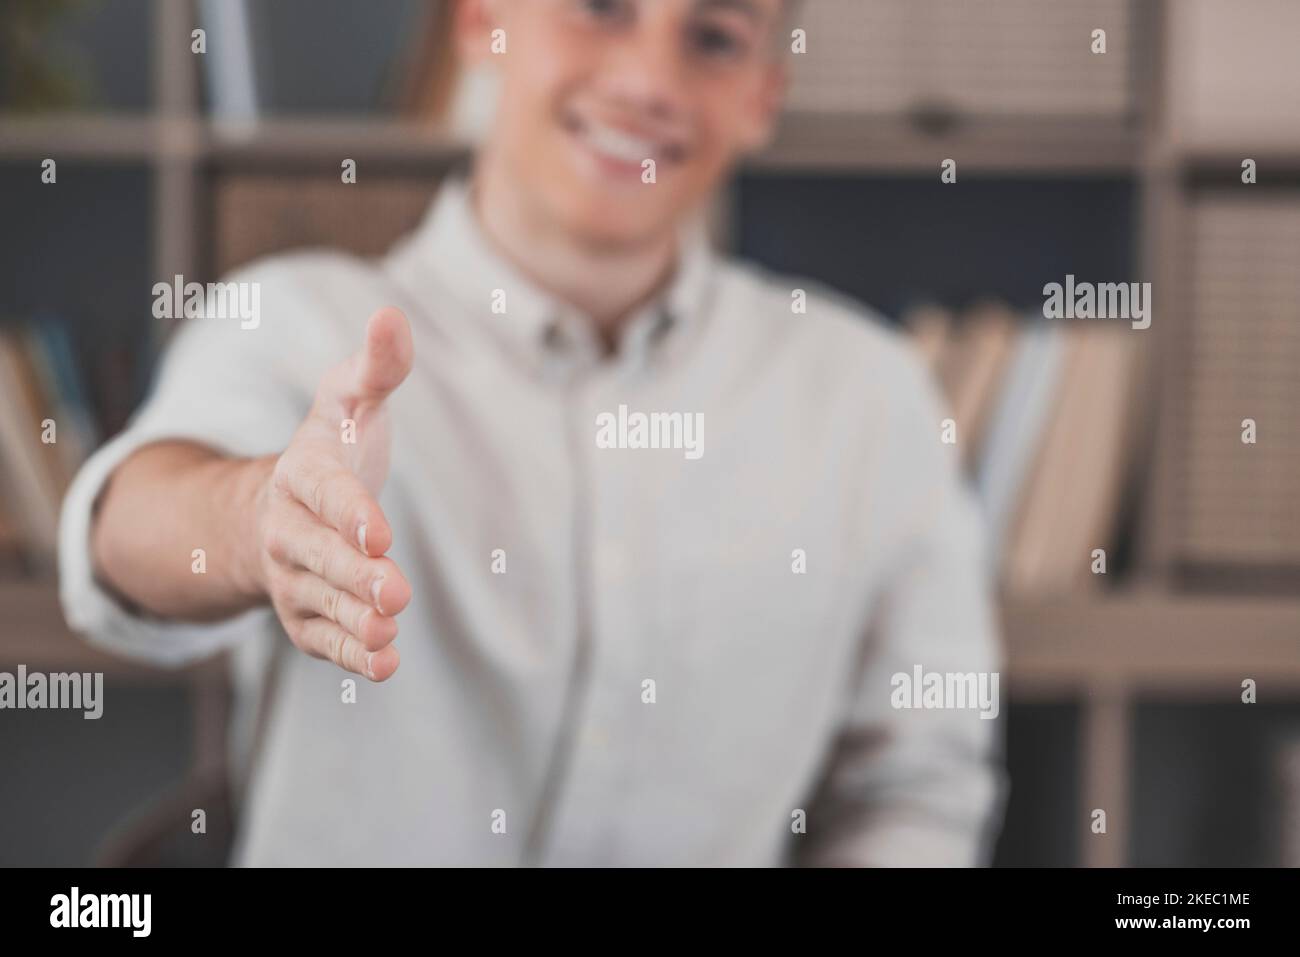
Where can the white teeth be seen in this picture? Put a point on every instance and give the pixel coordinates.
(619, 145)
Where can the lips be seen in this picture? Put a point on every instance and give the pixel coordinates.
(624, 147)
(619, 145)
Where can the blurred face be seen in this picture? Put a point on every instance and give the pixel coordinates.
(592, 89)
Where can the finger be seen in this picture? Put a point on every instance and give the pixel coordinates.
(338, 498)
(380, 366)
(309, 595)
(322, 551)
(387, 356)
(325, 639)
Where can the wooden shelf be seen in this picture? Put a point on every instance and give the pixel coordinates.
(1151, 642)
(827, 142)
(83, 136)
(323, 139)
(821, 142)
(115, 137)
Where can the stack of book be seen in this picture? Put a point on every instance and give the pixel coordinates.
(1040, 407)
(46, 431)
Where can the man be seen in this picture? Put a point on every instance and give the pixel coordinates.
(624, 639)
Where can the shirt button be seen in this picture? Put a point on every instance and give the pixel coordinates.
(663, 323)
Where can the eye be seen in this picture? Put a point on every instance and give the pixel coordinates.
(716, 42)
(612, 11)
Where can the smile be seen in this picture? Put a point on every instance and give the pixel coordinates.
(621, 146)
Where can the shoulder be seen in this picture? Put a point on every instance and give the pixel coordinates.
(312, 277)
(317, 300)
(285, 317)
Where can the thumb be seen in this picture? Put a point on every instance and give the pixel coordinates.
(385, 359)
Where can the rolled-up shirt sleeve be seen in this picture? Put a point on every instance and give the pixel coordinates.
(241, 391)
(908, 783)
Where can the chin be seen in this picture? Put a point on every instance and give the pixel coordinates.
(600, 218)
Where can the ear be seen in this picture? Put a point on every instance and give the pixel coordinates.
(474, 21)
(764, 107)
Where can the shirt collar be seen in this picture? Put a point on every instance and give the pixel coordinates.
(449, 246)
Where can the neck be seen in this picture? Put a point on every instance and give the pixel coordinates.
(607, 285)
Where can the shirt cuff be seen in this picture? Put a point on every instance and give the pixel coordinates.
(93, 611)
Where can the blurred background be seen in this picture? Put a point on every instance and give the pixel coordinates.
(1125, 687)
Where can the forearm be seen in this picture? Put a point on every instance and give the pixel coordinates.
(161, 505)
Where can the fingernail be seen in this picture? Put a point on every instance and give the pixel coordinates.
(361, 535)
(374, 592)
(370, 665)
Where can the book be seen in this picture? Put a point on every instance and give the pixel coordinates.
(1072, 498)
(1025, 401)
(49, 355)
(1096, 488)
(30, 477)
(230, 61)
(981, 351)
(1030, 532)
(56, 340)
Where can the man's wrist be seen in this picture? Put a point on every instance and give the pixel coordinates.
(252, 488)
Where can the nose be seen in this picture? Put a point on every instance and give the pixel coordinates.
(645, 71)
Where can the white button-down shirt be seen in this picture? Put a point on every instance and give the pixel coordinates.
(771, 589)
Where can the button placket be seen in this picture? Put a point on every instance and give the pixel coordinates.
(590, 808)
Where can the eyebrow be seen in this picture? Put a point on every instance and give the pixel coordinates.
(747, 7)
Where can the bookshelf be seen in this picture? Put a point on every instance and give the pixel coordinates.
(1102, 650)
(1109, 651)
